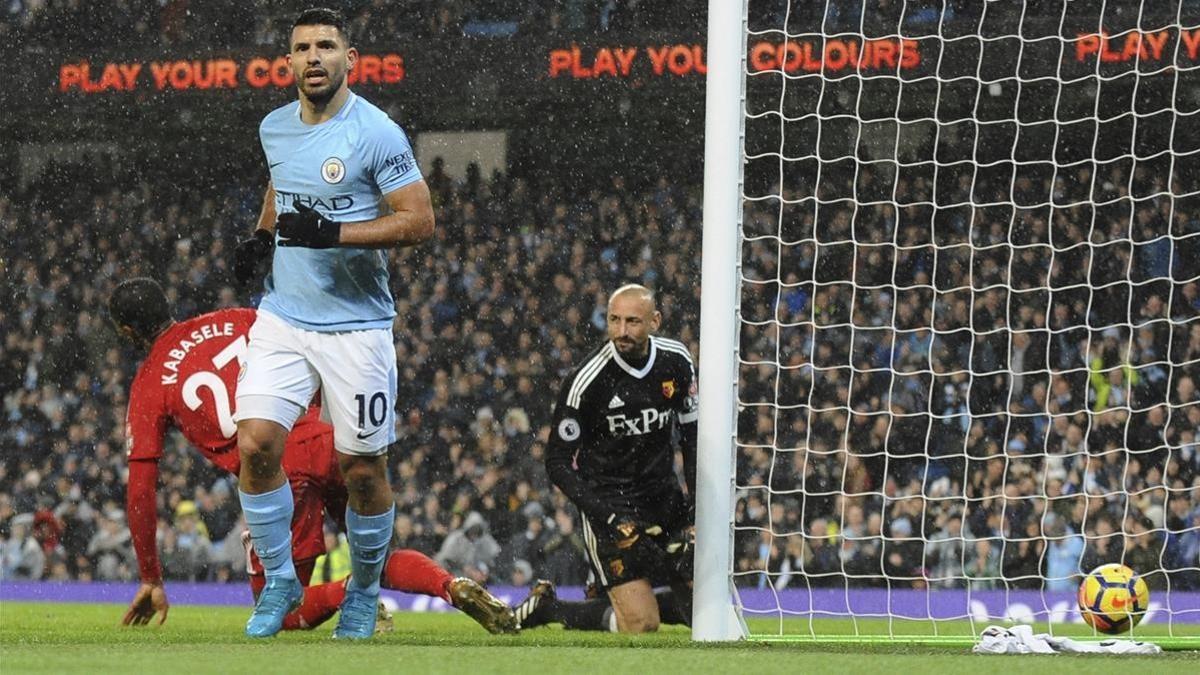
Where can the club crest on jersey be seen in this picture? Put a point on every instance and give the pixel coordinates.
(333, 170)
(668, 388)
(617, 566)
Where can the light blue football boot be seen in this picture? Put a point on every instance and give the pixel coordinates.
(278, 598)
(357, 618)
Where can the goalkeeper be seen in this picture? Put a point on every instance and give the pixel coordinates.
(188, 380)
(612, 453)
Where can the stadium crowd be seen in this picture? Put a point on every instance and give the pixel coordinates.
(1058, 395)
(984, 396)
(933, 392)
(74, 24)
(491, 315)
(127, 23)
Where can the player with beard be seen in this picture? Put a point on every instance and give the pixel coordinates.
(344, 188)
(612, 452)
(188, 381)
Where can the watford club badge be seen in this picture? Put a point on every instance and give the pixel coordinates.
(617, 566)
(668, 388)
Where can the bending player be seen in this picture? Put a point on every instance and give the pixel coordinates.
(611, 453)
(188, 380)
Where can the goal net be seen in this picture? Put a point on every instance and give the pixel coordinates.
(967, 351)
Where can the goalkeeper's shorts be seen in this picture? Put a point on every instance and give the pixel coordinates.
(615, 560)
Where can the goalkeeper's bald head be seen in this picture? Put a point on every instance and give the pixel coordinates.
(632, 319)
(635, 292)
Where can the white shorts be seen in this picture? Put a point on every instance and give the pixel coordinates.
(355, 372)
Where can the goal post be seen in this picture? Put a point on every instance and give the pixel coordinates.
(950, 317)
(714, 617)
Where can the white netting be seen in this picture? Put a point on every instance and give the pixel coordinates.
(970, 338)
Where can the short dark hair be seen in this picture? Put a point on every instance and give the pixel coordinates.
(141, 304)
(323, 16)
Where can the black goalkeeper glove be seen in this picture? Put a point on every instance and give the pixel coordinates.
(681, 551)
(307, 228)
(250, 255)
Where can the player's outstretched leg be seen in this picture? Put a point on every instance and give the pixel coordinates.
(414, 572)
(535, 610)
(411, 571)
(543, 607)
(474, 601)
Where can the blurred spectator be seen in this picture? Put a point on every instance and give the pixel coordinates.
(470, 551)
(21, 557)
(529, 544)
(564, 552)
(186, 550)
(110, 549)
(522, 574)
(1062, 557)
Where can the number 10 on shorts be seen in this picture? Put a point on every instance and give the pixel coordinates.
(375, 409)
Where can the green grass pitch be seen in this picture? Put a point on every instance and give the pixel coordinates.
(59, 638)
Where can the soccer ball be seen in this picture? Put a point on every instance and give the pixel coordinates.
(1113, 598)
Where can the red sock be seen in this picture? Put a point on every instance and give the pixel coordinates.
(320, 603)
(414, 572)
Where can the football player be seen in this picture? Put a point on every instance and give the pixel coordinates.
(612, 452)
(188, 380)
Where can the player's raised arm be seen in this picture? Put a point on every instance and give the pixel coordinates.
(251, 254)
(389, 158)
(409, 223)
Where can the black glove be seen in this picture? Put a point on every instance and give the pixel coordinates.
(249, 256)
(307, 228)
(681, 552)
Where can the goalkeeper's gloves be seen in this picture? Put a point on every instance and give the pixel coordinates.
(250, 254)
(307, 228)
(681, 553)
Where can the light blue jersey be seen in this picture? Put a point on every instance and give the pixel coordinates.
(342, 168)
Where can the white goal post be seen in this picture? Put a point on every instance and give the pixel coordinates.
(950, 316)
(713, 611)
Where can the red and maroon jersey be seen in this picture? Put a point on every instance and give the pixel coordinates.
(188, 381)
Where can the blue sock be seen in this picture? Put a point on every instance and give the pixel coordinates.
(369, 537)
(269, 517)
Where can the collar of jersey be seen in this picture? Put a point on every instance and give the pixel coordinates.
(639, 374)
(340, 114)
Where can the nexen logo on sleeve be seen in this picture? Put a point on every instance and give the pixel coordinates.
(402, 163)
(651, 419)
